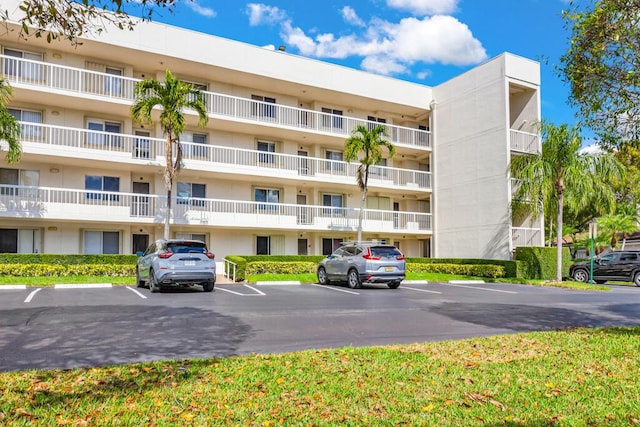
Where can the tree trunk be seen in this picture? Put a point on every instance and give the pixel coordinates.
(559, 239)
(167, 218)
(363, 201)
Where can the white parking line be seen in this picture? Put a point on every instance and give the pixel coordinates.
(31, 295)
(254, 289)
(135, 291)
(12, 287)
(336, 289)
(218, 288)
(279, 283)
(420, 290)
(476, 287)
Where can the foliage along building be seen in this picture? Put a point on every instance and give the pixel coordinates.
(266, 175)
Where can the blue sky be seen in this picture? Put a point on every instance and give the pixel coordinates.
(425, 41)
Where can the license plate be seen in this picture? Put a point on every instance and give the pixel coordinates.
(388, 268)
(189, 263)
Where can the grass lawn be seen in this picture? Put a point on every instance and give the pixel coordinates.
(578, 377)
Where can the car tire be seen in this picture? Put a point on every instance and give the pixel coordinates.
(153, 285)
(322, 276)
(636, 278)
(208, 286)
(601, 282)
(139, 283)
(393, 285)
(581, 275)
(353, 279)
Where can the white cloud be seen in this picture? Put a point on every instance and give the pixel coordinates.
(391, 48)
(262, 14)
(425, 7)
(351, 17)
(201, 10)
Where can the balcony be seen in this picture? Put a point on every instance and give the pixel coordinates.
(127, 208)
(72, 142)
(522, 236)
(525, 142)
(61, 79)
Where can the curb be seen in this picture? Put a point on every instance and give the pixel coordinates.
(466, 282)
(82, 285)
(414, 282)
(283, 282)
(13, 287)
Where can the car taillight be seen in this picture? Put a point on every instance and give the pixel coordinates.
(210, 255)
(368, 255)
(165, 255)
(400, 258)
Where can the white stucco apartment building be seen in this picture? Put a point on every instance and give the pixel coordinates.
(266, 175)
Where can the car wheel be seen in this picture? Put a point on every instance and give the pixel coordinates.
(393, 285)
(322, 276)
(581, 275)
(139, 283)
(353, 279)
(153, 285)
(636, 278)
(208, 286)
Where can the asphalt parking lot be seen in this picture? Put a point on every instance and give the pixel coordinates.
(71, 326)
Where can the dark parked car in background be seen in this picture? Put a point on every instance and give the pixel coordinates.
(622, 266)
(363, 262)
(176, 263)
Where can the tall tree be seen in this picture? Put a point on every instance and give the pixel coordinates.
(602, 66)
(366, 145)
(562, 168)
(618, 225)
(9, 126)
(173, 96)
(70, 19)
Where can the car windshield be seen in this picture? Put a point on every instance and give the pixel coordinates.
(385, 251)
(186, 247)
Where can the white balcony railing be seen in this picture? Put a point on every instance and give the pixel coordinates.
(522, 236)
(115, 207)
(525, 142)
(234, 159)
(68, 79)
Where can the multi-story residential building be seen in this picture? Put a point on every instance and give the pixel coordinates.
(266, 175)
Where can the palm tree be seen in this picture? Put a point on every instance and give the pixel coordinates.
(173, 96)
(366, 144)
(618, 224)
(9, 126)
(563, 174)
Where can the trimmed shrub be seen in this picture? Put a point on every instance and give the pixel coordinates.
(294, 267)
(57, 270)
(492, 271)
(516, 269)
(243, 260)
(541, 261)
(67, 259)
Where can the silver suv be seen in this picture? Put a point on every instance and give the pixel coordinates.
(176, 263)
(363, 262)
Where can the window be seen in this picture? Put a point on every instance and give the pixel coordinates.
(629, 257)
(104, 134)
(267, 198)
(101, 242)
(187, 236)
(269, 245)
(332, 118)
(14, 66)
(142, 149)
(102, 183)
(19, 241)
(330, 245)
(19, 177)
(265, 108)
(375, 120)
(335, 160)
(378, 203)
(267, 147)
(195, 146)
(113, 85)
(28, 132)
(334, 201)
(187, 191)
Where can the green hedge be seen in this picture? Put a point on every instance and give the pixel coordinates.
(58, 270)
(516, 269)
(255, 264)
(541, 261)
(487, 270)
(64, 259)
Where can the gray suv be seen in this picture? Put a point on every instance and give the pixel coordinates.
(176, 263)
(363, 262)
